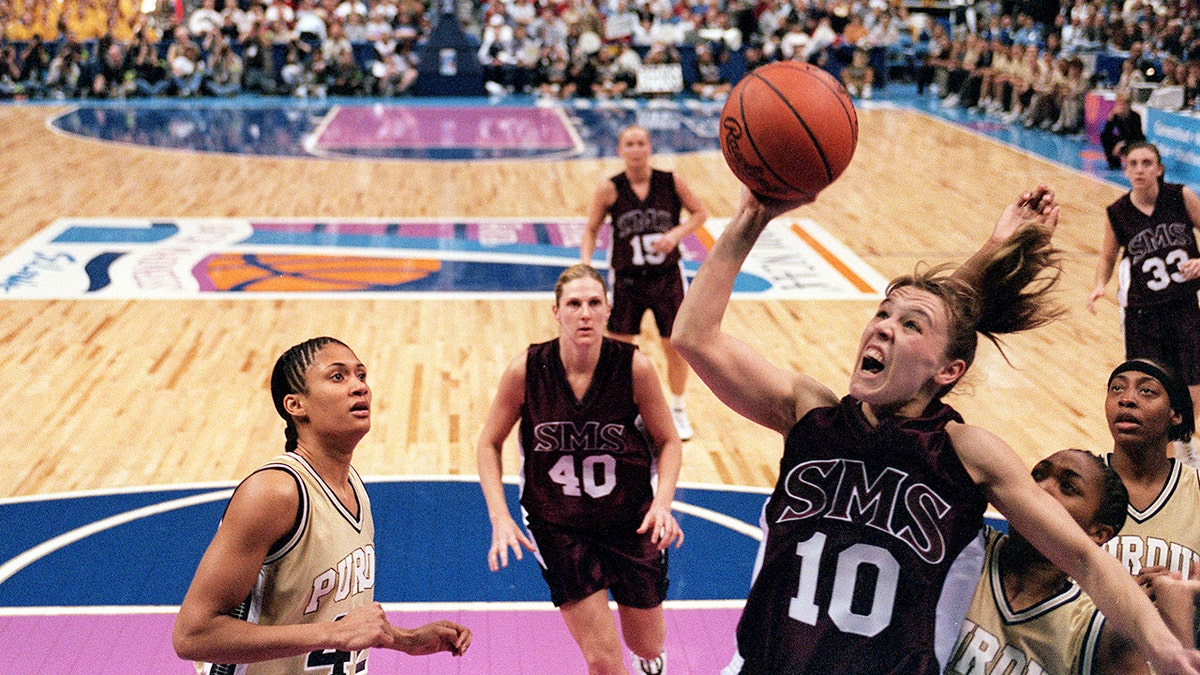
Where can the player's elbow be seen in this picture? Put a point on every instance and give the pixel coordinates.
(185, 641)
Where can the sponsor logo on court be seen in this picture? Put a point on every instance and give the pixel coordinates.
(238, 257)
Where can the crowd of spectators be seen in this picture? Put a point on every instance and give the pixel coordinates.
(1038, 73)
(1028, 61)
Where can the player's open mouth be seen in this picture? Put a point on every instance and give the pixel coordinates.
(872, 364)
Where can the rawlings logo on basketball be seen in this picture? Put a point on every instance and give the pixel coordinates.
(788, 130)
(744, 167)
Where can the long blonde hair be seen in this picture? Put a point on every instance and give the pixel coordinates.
(1012, 294)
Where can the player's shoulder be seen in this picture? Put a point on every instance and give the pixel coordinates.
(267, 500)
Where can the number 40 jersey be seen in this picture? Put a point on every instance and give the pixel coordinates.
(585, 463)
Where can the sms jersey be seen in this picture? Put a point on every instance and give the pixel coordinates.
(1155, 245)
(585, 463)
(873, 546)
(638, 223)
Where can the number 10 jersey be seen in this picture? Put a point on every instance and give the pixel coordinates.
(872, 549)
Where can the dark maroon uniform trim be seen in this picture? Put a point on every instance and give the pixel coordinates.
(861, 532)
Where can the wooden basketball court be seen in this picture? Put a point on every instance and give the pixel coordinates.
(104, 394)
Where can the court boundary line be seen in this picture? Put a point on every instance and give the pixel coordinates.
(399, 607)
(24, 559)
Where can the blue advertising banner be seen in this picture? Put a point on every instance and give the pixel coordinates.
(1177, 136)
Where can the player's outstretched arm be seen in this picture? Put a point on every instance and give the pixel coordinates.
(745, 381)
(503, 415)
(1047, 525)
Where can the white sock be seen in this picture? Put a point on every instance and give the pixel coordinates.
(654, 666)
(677, 401)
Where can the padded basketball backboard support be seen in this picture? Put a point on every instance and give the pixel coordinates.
(449, 59)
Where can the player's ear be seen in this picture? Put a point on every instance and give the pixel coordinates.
(950, 373)
(293, 405)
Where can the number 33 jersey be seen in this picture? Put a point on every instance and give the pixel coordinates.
(872, 549)
(585, 463)
(1155, 245)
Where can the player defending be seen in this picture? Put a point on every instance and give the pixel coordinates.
(644, 205)
(287, 584)
(1026, 610)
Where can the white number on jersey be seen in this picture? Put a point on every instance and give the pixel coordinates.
(1157, 269)
(599, 475)
(803, 607)
(643, 249)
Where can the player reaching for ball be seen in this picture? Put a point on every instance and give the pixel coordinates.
(872, 536)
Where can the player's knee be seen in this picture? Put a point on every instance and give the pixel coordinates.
(603, 661)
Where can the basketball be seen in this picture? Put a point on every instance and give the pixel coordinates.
(788, 130)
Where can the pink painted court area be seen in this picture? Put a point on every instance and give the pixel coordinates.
(503, 642)
(421, 127)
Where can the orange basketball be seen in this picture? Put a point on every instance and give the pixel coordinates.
(788, 130)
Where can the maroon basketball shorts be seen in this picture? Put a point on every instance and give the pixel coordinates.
(661, 292)
(577, 563)
(1168, 333)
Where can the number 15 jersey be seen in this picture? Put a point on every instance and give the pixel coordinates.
(873, 546)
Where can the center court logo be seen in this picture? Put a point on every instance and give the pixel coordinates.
(230, 257)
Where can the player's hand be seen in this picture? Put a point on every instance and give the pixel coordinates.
(362, 628)
(666, 243)
(1189, 269)
(505, 535)
(1146, 578)
(1037, 205)
(662, 526)
(769, 207)
(434, 637)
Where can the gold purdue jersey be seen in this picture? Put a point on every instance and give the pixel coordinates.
(1053, 637)
(1165, 533)
(324, 569)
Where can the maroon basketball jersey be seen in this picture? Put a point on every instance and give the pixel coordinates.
(861, 533)
(585, 463)
(1156, 245)
(638, 223)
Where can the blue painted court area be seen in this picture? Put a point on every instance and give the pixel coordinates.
(108, 569)
(140, 547)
